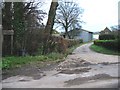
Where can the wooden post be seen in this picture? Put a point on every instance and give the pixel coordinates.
(11, 44)
(1, 40)
(1, 35)
(11, 33)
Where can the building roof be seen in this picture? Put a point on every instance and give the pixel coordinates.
(77, 31)
(81, 30)
(86, 30)
(106, 30)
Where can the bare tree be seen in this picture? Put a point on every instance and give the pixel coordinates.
(68, 16)
(33, 14)
(115, 27)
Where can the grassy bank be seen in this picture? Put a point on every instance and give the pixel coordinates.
(103, 50)
(15, 62)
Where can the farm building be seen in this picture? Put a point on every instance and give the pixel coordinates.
(85, 35)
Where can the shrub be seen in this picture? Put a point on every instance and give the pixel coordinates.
(106, 37)
(72, 42)
(60, 44)
(36, 39)
(111, 44)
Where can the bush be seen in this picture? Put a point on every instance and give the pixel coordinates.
(60, 44)
(106, 37)
(72, 42)
(37, 38)
(110, 44)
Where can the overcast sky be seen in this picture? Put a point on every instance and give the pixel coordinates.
(98, 14)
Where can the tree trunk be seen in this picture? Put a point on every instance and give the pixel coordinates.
(49, 25)
(66, 32)
(51, 17)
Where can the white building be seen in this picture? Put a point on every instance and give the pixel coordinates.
(85, 35)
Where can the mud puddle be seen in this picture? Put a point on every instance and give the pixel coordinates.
(82, 80)
(93, 73)
(75, 71)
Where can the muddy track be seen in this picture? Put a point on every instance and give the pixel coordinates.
(76, 71)
(32, 70)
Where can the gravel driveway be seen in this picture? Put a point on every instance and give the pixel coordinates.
(82, 69)
(87, 54)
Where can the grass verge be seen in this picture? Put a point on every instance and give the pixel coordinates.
(11, 62)
(103, 50)
(15, 62)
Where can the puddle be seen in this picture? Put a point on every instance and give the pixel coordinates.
(108, 63)
(18, 79)
(82, 80)
(75, 71)
(23, 80)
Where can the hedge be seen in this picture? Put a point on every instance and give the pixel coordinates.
(35, 43)
(106, 37)
(110, 44)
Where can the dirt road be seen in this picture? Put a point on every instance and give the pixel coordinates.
(85, 53)
(82, 69)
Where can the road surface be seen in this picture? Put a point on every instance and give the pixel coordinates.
(82, 69)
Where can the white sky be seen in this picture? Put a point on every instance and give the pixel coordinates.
(98, 14)
(119, 13)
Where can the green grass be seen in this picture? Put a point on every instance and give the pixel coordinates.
(14, 62)
(103, 50)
